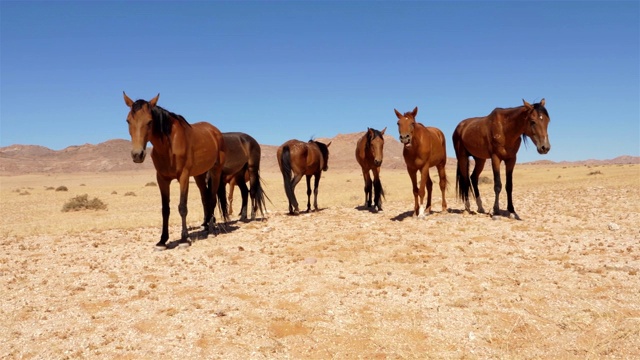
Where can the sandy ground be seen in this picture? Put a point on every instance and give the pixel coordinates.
(341, 283)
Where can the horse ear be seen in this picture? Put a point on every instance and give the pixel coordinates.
(154, 101)
(127, 100)
(398, 114)
(329, 144)
(415, 112)
(542, 102)
(526, 104)
(383, 130)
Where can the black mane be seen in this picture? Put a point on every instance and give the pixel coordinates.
(376, 133)
(161, 118)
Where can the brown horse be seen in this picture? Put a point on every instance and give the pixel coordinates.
(180, 150)
(302, 158)
(497, 136)
(369, 153)
(242, 164)
(424, 147)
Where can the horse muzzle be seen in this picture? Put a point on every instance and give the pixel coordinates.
(377, 162)
(405, 139)
(138, 156)
(544, 148)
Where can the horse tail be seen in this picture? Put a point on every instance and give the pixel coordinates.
(462, 183)
(222, 199)
(259, 195)
(286, 172)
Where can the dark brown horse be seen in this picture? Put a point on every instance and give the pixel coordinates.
(497, 136)
(302, 158)
(424, 147)
(180, 150)
(369, 153)
(242, 164)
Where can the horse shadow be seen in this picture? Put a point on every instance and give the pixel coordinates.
(306, 212)
(402, 216)
(198, 233)
(367, 208)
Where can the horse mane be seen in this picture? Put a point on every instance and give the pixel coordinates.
(161, 118)
(324, 149)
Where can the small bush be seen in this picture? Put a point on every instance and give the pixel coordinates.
(114, 192)
(129, 193)
(25, 193)
(49, 188)
(597, 172)
(82, 202)
(62, 188)
(83, 185)
(151, 184)
(484, 180)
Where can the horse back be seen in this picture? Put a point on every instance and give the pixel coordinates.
(473, 135)
(207, 147)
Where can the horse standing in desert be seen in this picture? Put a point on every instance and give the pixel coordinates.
(242, 164)
(497, 136)
(424, 147)
(180, 150)
(369, 154)
(302, 159)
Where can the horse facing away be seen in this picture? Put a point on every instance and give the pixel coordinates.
(242, 164)
(369, 154)
(424, 147)
(497, 136)
(302, 158)
(180, 150)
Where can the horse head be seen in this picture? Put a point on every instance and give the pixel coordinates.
(536, 127)
(406, 124)
(140, 120)
(375, 143)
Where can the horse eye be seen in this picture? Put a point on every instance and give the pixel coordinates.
(533, 123)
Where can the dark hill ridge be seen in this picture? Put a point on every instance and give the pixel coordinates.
(113, 155)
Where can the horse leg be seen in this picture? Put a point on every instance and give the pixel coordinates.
(443, 186)
(414, 183)
(309, 193)
(315, 190)
(477, 169)
(245, 197)
(293, 202)
(367, 187)
(497, 183)
(377, 186)
(182, 207)
(232, 185)
(163, 184)
(427, 208)
(510, 165)
(201, 182)
(254, 185)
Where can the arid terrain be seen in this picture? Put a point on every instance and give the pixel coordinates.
(344, 282)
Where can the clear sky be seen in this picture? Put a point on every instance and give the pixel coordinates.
(283, 70)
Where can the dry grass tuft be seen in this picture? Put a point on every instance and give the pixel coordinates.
(82, 202)
(62, 188)
(129, 193)
(151, 183)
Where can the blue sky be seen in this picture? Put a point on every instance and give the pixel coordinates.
(283, 70)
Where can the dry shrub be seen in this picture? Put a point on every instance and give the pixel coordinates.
(62, 188)
(597, 172)
(129, 193)
(82, 202)
(151, 183)
(484, 180)
(49, 188)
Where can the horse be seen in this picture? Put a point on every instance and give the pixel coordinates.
(497, 136)
(369, 153)
(242, 164)
(302, 158)
(424, 147)
(180, 150)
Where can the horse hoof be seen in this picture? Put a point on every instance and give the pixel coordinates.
(184, 244)
(159, 247)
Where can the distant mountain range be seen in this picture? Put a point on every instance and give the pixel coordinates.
(114, 155)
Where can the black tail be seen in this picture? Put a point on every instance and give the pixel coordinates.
(462, 183)
(286, 176)
(257, 193)
(222, 200)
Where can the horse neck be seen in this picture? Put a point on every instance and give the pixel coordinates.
(516, 121)
(161, 142)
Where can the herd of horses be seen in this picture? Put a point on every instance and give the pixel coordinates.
(182, 150)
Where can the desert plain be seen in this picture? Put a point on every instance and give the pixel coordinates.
(344, 282)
